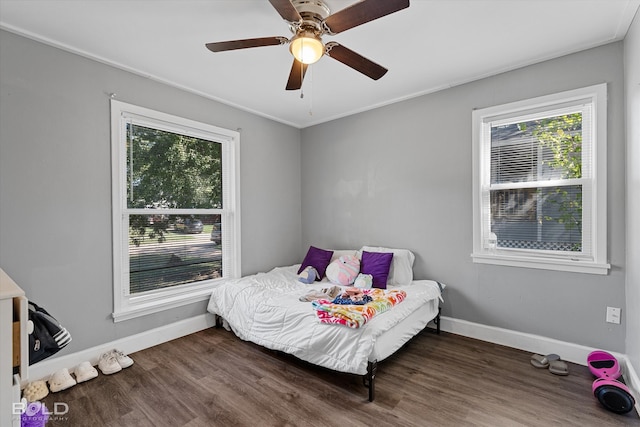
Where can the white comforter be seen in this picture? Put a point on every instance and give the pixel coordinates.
(265, 309)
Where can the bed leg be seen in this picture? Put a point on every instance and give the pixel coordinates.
(437, 321)
(369, 379)
(218, 320)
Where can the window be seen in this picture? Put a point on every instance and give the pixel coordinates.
(539, 196)
(176, 224)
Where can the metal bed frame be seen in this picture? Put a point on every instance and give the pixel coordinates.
(368, 379)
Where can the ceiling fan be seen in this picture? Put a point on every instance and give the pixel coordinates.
(309, 20)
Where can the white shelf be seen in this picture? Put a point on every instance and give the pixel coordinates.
(13, 307)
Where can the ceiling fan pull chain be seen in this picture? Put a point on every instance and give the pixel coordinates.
(301, 81)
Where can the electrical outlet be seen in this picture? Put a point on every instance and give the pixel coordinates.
(613, 315)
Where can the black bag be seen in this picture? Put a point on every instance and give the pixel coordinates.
(48, 336)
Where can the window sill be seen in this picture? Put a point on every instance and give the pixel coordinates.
(149, 306)
(570, 265)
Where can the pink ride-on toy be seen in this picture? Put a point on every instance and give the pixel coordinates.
(611, 393)
(603, 365)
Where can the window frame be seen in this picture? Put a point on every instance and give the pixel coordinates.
(125, 305)
(595, 206)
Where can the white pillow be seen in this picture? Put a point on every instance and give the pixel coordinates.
(401, 271)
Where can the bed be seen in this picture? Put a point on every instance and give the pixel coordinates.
(266, 309)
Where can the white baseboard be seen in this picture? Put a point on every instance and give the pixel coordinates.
(632, 380)
(130, 344)
(574, 353)
(570, 352)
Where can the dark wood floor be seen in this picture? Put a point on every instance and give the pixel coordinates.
(212, 378)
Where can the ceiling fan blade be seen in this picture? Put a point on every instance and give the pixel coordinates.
(298, 70)
(286, 10)
(362, 12)
(355, 60)
(246, 43)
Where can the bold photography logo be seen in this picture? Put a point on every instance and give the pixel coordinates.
(37, 411)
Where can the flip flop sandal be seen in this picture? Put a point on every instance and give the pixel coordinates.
(540, 361)
(559, 367)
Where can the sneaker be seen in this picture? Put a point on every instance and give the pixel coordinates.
(61, 380)
(85, 372)
(108, 363)
(123, 360)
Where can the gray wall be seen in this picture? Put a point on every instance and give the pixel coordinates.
(55, 183)
(632, 92)
(400, 176)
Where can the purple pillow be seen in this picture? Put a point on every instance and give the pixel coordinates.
(377, 264)
(318, 259)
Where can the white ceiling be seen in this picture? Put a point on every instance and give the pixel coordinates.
(434, 44)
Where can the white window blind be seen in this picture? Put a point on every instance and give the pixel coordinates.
(536, 182)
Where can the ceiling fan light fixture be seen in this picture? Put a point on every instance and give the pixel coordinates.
(308, 21)
(306, 48)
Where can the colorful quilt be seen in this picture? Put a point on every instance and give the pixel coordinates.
(355, 316)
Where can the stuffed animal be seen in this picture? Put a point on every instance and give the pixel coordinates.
(364, 281)
(308, 275)
(343, 271)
